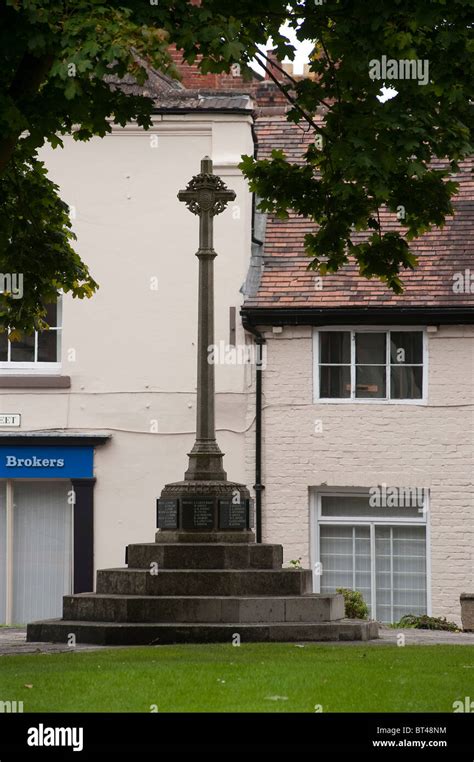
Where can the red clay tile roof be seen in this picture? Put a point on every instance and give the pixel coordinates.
(170, 95)
(286, 282)
(195, 86)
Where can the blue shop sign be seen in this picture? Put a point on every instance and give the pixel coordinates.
(46, 462)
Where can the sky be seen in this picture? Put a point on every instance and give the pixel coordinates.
(303, 50)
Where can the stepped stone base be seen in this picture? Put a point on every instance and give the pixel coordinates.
(202, 592)
(127, 634)
(205, 556)
(180, 535)
(204, 582)
(217, 609)
(467, 611)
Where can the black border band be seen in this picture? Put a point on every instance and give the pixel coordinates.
(361, 316)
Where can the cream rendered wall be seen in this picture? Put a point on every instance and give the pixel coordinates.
(135, 348)
(362, 445)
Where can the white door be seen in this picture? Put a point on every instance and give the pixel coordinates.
(42, 549)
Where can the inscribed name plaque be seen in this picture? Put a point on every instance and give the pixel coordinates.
(197, 512)
(167, 513)
(232, 515)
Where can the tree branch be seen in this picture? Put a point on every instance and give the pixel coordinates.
(292, 79)
(334, 70)
(291, 99)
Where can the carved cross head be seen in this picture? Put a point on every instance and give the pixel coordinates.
(206, 192)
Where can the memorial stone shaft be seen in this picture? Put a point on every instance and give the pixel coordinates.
(206, 196)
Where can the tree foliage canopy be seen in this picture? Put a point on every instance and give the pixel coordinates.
(57, 57)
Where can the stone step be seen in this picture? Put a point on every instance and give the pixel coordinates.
(205, 556)
(134, 608)
(127, 634)
(222, 536)
(242, 582)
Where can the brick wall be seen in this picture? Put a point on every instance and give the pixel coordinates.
(364, 445)
(268, 99)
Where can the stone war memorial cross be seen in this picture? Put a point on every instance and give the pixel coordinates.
(204, 579)
(205, 501)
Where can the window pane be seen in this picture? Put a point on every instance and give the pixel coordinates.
(335, 347)
(400, 566)
(406, 347)
(400, 572)
(370, 381)
(335, 381)
(23, 350)
(345, 559)
(47, 346)
(409, 504)
(362, 576)
(406, 382)
(3, 347)
(370, 348)
(341, 505)
(51, 314)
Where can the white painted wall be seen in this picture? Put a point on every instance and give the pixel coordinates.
(136, 347)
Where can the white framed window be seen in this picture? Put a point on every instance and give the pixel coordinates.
(370, 364)
(37, 352)
(383, 552)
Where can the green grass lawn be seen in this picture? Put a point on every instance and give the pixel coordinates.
(249, 678)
